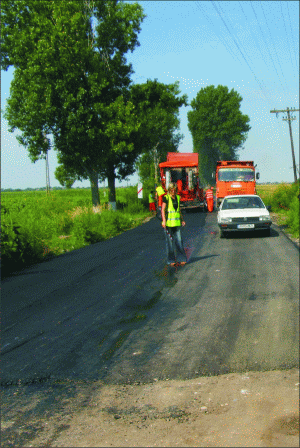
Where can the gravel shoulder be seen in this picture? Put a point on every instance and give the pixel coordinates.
(233, 410)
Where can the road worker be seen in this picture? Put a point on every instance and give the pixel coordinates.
(172, 221)
(179, 186)
(184, 178)
(209, 196)
(152, 202)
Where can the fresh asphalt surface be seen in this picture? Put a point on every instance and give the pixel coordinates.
(115, 312)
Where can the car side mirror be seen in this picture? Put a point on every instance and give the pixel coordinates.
(257, 175)
(269, 208)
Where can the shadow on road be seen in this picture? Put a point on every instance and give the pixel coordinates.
(194, 259)
(247, 235)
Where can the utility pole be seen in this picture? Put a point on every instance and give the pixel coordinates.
(155, 162)
(47, 174)
(289, 119)
(47, 169)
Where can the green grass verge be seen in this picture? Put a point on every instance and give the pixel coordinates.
(36, 227)
(284, 201)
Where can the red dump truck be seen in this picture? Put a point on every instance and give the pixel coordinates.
(182, 168)
(235, 177)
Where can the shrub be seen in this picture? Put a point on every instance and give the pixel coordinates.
(18, 247)
(86, 228)
(110, 223)
(283, 196)
(293, 216)
(65, 224)
(120, 205)
(134, 208)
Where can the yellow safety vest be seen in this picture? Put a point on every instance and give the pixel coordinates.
(151, 198)
(173, 215)
(160, 190)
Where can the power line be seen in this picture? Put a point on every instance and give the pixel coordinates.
(222, 42)
(241, 43)
(241, 53)
(258, 46)
(294, 46)
(269, 52)
(286, 33)
(254, 35)
(275, 48)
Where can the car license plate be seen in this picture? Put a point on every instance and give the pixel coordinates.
(245, 226)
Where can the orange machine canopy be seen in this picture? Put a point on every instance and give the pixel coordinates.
(180, 159)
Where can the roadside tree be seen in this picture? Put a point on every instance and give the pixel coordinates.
(64, 177)
(218, 127)
(158, 106)
(70, 80)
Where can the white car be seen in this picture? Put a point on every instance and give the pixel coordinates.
(243, 212)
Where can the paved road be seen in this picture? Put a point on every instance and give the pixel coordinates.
(115, 312)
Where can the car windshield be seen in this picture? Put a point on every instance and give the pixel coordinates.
(235, 174)
(242, 202)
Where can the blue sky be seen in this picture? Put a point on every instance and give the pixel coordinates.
(252, 47)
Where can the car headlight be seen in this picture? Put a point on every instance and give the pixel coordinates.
(264, 218)
(226, 220)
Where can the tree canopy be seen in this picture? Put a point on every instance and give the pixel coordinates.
(72, 81)
(70, 78)
(65, 178)
(218, 127)
(158, 106)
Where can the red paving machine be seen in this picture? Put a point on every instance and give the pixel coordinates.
(182, 169)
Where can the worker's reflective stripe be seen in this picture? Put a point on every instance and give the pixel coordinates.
(173, 215)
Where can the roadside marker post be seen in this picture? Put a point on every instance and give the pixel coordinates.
(140, 191)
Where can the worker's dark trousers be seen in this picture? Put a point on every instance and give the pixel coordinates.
(174, 241)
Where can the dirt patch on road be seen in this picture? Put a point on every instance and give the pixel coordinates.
(239, 410)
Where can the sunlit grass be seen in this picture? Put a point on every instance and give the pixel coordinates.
(36, 226)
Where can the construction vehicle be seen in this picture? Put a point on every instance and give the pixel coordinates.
(235, 177)
(182, 169)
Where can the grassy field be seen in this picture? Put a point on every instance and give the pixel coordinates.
(284, 201)
(269, 188)
(36, 226)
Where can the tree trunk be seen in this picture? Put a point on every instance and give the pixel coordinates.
(111, 188)
(94, 188)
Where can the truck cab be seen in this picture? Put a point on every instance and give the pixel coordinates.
(235, 177)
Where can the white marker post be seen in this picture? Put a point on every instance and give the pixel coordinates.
(140, 190)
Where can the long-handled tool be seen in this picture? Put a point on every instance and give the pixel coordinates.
(169, 234)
